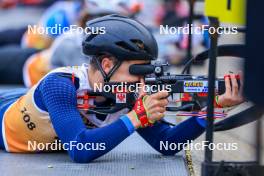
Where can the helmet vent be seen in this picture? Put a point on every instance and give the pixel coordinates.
(118, 16)
(139, 44)
(124, 46)
(90, 37)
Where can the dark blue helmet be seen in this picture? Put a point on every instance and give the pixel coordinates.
(124, 38)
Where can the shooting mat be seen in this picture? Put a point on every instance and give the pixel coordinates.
(132, 157)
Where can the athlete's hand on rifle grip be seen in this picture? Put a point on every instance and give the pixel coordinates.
(154, 105)
(233, 95)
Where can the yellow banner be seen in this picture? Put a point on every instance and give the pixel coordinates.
(227, 11)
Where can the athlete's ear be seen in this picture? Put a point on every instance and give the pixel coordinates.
(107, 64)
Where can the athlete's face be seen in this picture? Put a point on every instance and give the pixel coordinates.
(122, 73)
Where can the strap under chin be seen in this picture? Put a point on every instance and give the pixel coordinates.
(111, 72)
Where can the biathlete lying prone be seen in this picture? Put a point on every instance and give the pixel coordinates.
(48, 111)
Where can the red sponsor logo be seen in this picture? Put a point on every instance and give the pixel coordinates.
(120, 97)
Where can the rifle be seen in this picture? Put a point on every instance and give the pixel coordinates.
(155, 74)
(184, 83)
(194, 86)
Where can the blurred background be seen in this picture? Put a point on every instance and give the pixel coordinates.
(26, 57)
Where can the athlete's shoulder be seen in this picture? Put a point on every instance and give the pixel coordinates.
(55, 89)
(74, 76)
(58, 82)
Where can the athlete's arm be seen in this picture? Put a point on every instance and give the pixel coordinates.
(59, 98)
(193, 127)
(162, 133)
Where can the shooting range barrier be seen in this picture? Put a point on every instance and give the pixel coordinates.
(234, 12)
